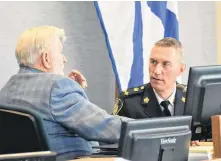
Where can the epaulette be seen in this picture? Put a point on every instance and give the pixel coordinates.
(133, 91)
(182, 87)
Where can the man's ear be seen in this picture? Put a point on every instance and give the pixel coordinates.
(46, 60)
(182, 68)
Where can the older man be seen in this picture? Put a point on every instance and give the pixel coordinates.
(70, 118)
(162, 96)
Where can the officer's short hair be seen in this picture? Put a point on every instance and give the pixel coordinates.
(170, 42)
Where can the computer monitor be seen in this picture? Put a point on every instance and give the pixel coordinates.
(203, 98)
(158, 144)
(150, 123)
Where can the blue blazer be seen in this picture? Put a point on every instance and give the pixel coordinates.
(71, 120)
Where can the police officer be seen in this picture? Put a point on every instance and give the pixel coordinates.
(162, 96)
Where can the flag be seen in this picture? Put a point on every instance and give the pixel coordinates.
(131, 29)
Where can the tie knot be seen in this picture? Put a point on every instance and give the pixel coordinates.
(165, 104)
(166, 110)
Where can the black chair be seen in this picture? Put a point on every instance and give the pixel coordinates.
(21, 130)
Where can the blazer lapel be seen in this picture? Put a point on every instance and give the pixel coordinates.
(179, 102)
(150, 103)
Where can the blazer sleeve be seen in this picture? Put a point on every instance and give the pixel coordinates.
(71, 108)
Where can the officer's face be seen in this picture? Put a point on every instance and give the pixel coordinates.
(164, 67)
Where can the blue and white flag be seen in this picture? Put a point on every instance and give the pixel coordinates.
(131, 29)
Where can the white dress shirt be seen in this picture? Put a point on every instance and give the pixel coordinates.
(171, 99)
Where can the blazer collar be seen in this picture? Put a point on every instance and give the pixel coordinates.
(179, 102)
(26, 69)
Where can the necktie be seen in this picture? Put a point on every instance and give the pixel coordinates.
(165, 105)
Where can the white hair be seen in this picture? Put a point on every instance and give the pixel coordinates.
(36, 40)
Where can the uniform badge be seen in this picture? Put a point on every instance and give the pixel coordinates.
(117, 106)
(146, 100)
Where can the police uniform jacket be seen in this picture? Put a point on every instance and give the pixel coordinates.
(141, 102)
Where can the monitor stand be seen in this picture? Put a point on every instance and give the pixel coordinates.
(166, 153)
(201, 133)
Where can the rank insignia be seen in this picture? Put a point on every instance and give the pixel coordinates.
(146, 100)
(183, 99)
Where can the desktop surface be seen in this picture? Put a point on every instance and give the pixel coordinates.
(29, 156)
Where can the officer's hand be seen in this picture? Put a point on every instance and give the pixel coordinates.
(195, 143)
(78, 77)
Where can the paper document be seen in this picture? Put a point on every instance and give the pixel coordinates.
(120, 159)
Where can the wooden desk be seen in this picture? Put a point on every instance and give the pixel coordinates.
(205, 147)
(95, 159)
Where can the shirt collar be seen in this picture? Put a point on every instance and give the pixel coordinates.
(170, 99)
(27, 69)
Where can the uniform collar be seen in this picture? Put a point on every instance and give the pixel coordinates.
(171, 98)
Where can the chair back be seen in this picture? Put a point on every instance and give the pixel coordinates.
(21, 130)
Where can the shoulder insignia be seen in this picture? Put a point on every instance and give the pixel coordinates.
(126, 93)
(182, 87)
(117, 106)
(133, 91)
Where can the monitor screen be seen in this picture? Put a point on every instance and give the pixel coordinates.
(150, 123)
(159, 144)
(203, 96)
(204, 93)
